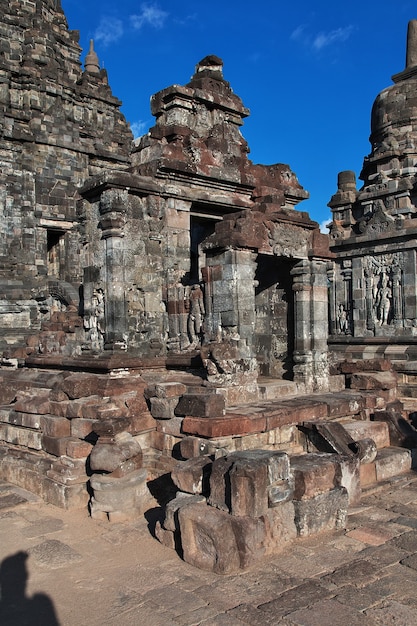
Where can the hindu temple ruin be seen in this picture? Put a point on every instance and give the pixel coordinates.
(173, 328)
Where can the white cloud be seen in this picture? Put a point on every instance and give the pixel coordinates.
(324, 225)
(138, 128)
(149, 15)
(322, 39)
(109, 30)
(297, 34)
(326, 39)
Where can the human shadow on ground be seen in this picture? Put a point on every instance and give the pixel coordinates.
(16, 609)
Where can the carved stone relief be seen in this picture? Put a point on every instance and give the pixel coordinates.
(383, 285)
(289, 241)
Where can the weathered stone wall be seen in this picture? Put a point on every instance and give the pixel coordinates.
(58, 125)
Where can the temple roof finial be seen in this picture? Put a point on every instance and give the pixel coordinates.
(411, 58)
(92, 64)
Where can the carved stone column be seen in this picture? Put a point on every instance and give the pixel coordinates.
(311, 325)
(113, 203)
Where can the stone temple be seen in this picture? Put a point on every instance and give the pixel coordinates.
(173, 329)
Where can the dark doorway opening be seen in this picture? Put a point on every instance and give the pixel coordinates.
(200, 228)
(55, 251)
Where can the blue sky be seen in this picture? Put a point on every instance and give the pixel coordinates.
(308, 71)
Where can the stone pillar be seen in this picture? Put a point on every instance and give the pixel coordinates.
(113, 203)
(331, 277)
(311, 325)
(411, 57)
(302, 324)
(319, 325)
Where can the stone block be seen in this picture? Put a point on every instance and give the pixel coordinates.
(172, 426)
(180, 501)
(82, 384)
(392, 462)
(313, 474)
(141, 423)
(192, 476)
(78, 449)
(68, 471)
(135, 403)
(348, 476)
(191, 447)
(201, 405)
(224, 426)
(246, 483)
(280, 529)
(344, 405)
(65, 496)
(324, 512)
(81, 428)
(367, 474)
(374, 380)
(27, 420)
(108, 456)
(163, 408)
(168, 538)
(57, 446)
(128, 466)
(61, 409)
(53, 426)
(365, 365)
(217, 542)
(378, 431)
(170, 390)
(33, 403)
(21, 436)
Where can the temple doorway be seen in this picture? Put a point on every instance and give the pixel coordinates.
(274, 320)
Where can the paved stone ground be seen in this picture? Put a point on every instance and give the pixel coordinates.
(63, 568)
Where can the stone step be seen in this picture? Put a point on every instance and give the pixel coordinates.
(378, 431)
(276, 389)
(389, 462)
(407, 390)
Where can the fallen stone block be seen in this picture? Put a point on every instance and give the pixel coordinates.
(324, 512)
(280, 529)
(313, 474)
(192, 476)
(247, 483)
(392, 462)
(180, 501)
(218, 542)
